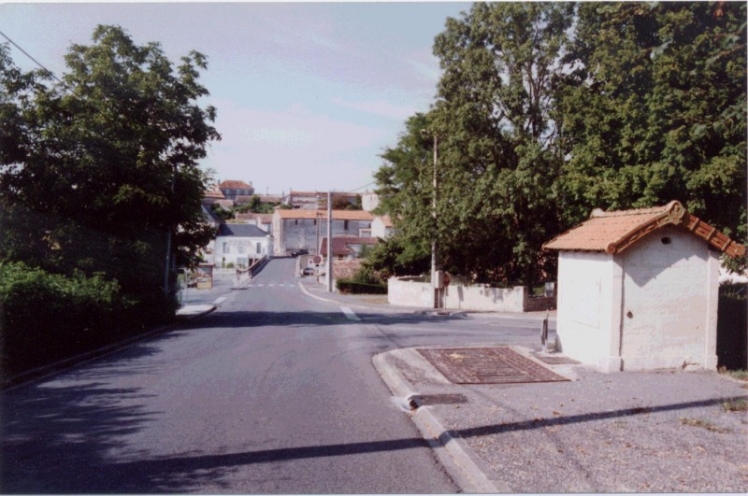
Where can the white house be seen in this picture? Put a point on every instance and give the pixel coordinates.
(241, 245)
(638, 289)
(381, 227)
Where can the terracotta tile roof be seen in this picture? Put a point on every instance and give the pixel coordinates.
(235, 185)
(336, 214)
(613, 232)
(214, 193)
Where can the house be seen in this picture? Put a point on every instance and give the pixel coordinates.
(263, 221)
(346, 247)
(240, 245)
(312, 200)
(300, 229)
(214, 196)
(382, 227)
(638, 289)
(235, 189)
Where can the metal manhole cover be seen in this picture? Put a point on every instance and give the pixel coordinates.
(500, 365)
(556, 360)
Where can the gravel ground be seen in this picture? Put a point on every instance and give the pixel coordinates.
(662, 431)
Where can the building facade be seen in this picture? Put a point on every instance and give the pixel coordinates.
(301, 230)
(240, 245)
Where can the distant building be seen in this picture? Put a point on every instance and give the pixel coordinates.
(369, 201)
(235, 189)
(312, 200)
(240, 245)
(301, 229)
(346, 247)
(263, 221)
(381, 227)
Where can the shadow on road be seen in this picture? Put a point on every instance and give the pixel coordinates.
(59, 440)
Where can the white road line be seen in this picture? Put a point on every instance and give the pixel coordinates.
(260, 285)
(219, 300)
(349, 313)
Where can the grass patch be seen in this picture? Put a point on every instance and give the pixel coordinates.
(705, 424)
(741, 375)
(735, 406)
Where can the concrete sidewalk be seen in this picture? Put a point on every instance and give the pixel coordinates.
(665, 431)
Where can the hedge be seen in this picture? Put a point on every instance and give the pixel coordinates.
(346, 286)
(45, 317)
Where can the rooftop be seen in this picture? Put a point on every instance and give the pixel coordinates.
(613, 232)
(322, 214)
(341, 244)
(242, 230)
(235, 185)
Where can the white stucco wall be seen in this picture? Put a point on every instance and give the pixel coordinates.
(652, 306)
(588, 285)
(669, 311)
(229, 249)
(410, 292)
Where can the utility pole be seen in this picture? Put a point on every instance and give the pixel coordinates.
(434, 279)
(329, 242)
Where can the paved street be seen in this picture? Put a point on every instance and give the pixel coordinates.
(273, 392)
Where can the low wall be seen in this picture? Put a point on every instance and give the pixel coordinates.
(409, 292)
(417, 292)
(485, 298)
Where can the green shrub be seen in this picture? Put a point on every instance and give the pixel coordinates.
(46, 317)
(349, 286)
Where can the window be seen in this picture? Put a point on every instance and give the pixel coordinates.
(345, 225)
(259, 248)
(225, 247)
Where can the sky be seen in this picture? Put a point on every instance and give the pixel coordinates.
(308, 94)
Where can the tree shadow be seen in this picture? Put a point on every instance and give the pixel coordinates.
(57, 439)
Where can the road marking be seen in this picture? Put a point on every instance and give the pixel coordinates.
(260, 285)
(349, 313)
(271, 285)
(219, 300)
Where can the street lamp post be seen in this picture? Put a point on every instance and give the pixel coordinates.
(435, 279)
(329, 242)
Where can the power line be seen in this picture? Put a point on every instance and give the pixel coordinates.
(32, 58)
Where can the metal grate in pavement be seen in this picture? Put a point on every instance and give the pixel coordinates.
(498, 365)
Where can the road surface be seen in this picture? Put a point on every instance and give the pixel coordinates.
(274, 392)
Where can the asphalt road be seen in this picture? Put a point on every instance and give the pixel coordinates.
(275, 392)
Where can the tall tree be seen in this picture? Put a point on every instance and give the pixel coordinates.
(109, 152)
(655, 110)
(497, 161)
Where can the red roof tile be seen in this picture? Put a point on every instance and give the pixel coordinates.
(613, 232)
(322, 214)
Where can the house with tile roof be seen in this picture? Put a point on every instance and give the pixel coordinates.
(234, 189)
(300, 229)
(638, 289)
(240, 245)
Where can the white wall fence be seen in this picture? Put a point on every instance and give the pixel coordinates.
(417, 292)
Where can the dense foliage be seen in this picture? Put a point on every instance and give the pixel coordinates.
(545, 111)
(98, 170)
(100, 186)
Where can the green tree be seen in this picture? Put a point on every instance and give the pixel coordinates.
(495, 141)
(106, 160)
(655, 110)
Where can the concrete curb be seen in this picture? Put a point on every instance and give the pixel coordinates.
(60, 366)
(453, 453)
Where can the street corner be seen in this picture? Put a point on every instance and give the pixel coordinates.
(193, 311)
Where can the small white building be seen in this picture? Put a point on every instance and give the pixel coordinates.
(382, 227)
(241, 245)
(638, 289)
